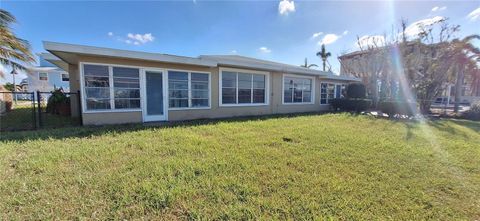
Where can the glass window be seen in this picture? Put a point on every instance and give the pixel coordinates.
(243, 88)
(126, 84)
(188, 89)
(328, 92)
(258, 88)
(43, 76)
(229, 87)
(199, 88)
(119, 89)
(178, 89)
(65, 77)
(97, 87)
(297, 90)
(323, 93)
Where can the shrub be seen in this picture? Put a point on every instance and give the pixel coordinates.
(393, 108)
(474, 112)
(356, 90)
(347, 104)
(56, 101)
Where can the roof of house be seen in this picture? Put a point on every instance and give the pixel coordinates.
(68, 54)
(248, 62)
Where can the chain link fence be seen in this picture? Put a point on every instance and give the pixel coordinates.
(17, 111)
(34, 110)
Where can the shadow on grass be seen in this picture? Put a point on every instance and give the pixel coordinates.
(474, 125)
(89, 131)
(445, 125)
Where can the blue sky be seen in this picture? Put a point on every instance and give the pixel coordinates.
(273, 30)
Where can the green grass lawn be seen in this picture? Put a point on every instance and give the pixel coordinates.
(305, 167)
(21, 118)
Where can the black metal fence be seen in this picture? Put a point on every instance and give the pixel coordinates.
(34, 110)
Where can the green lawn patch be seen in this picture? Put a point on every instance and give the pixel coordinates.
(21, 118)
(334, 166)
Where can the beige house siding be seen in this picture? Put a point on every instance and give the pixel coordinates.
(275, 105)
(74, 88)
(112, 118)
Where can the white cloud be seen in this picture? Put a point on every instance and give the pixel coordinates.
(370, 40)
(437, 8)
(316, 35)
(345, 32)
(416, 28)
(265, 50)
(286, 6)
(110, 34)
(329, 39)
(474, 15)
(138, 39)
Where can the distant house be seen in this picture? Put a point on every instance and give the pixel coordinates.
(120, 86)
(46, 77)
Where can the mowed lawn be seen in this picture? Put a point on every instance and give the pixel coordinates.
(334, 166)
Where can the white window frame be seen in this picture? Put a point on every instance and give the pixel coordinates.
(334, 91)
(42, 73)
(111, 88)
(246, 71)
(190, 91)
(312, 100)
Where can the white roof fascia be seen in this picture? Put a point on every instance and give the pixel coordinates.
(48, 56)
(45, 69)
(90, 50)
(343, 78)
(265, 66)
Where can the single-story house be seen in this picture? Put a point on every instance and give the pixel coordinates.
(120, 86)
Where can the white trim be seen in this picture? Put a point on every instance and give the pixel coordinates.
(298, 76)
(111, 89)
(334, 77)
(259, 64)
(247, 71)
(190, 89)
(143, 94)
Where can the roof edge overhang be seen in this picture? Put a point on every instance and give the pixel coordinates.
(60, 51)
(54, 60)
(55, 47)
(341, 78)
(265, 67)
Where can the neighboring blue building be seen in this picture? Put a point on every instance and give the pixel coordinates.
(46, 77)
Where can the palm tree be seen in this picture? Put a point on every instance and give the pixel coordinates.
(306, 65)
(14, 51)
(323, 54)
(464, 51)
